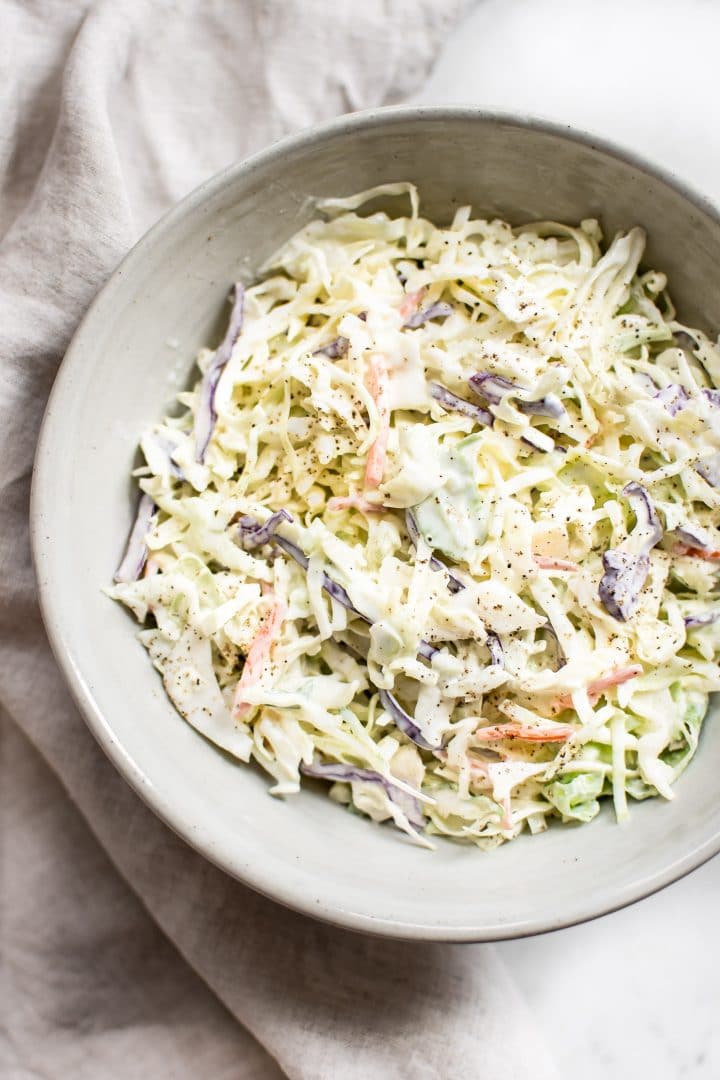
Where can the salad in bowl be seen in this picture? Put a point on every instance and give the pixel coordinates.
(437, 524)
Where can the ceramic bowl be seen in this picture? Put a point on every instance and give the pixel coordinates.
(133, 352)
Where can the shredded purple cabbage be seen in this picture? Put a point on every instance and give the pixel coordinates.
(404, 721)
(709, 469)
(674, 397)
(550, 405)
(713, 396)
(136, 553)
(168, 448)
(495, 387)
(492, 387)
(454, 584)
(338, 772)
(694, 621)
(334, 349)
(440, 310)
(497, 653)
(254, 533)
(337, 592)
(641, 378)
(620, 585)
(626, 573)
(648, 523)
(427, 651)
(206, 415)
(332, 588)
(685, 535)
(451, 401)
(529, 440)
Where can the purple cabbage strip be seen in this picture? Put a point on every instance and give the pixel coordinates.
(405, 722)
(410, 807)
(620, 585)
(206, 415)
(451, 401)
(334, 349)
(412, 527)
(713, 396)
(254, 533)
(528, 439)
(440, 310)
(641, 377)
(337, 592)
(550, 405)
(626, 573)
(136, 552)
(495, 387)
(168, 448)
(492, 387)
(497, 654)
(645, 514)
(348, 774)
(694, 621)
(427, 651)
(258, 537)
(686, 536)
(674, 397)
(709, 469)
(454, 584)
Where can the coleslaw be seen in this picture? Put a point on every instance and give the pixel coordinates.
(438, 524)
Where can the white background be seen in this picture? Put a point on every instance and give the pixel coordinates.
(634, 994)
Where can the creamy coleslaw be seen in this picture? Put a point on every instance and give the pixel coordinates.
(438, 524)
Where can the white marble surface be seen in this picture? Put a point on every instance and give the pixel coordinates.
(634, 994)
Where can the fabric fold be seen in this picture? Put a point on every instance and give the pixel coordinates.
(113, 111)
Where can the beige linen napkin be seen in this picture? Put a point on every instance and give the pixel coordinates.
(111, 111)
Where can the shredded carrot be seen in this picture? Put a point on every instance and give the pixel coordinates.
(614, 678)
(354, 502)
(410, 303)
(377, 382)
(514, 730)
(696, 553)
(547, 562)
(596, 689)
(258, 655)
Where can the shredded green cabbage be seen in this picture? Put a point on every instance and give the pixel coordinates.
(500, 668)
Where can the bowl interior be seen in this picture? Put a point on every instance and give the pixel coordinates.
(133, 353)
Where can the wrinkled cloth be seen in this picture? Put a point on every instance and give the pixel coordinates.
(124, 953)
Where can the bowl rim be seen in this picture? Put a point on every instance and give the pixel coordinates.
(268, 883)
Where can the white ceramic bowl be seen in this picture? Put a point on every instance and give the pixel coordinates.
(132, 353)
